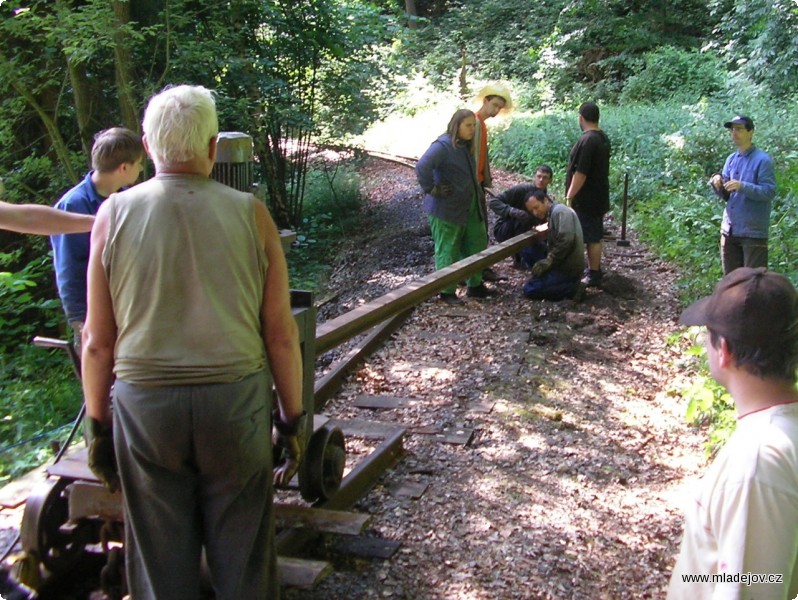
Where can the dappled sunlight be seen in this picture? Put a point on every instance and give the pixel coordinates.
(675, 141)
(405, 370)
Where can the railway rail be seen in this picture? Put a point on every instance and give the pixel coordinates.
(71, 513)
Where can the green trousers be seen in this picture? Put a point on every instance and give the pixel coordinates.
(453, 242)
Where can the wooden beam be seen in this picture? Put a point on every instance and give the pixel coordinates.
(336, 331)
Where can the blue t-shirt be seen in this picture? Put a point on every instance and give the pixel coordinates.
(71, 251)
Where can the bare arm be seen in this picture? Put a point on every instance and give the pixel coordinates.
(42, 220)
(577, 181)
(280, 334)
(99, 332)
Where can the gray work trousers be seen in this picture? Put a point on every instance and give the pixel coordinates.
(196, 469)
(736, 252)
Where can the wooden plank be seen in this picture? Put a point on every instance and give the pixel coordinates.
(381, 402)
(302, 573)
(455, 435)
(365, 429)
(450, 435)
(409, 489)
(482, 406)
(73, 465)
(320, 519)
(367, 547)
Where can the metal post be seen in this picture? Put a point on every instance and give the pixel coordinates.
(623, 241)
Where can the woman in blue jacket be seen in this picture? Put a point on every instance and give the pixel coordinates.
(447, 173)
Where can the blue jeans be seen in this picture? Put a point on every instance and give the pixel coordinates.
(553, 285)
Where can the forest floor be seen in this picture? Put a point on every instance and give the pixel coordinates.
(573, 479)
(577, 458)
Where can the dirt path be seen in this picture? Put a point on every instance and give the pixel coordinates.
(571, 484)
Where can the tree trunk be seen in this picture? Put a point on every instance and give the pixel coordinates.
(81, 92)
(83, 105)
(412, 14)
(123, 66)
(60, 147)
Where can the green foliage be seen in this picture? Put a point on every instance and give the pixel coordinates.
(333, 209)
(39, 398)
(496, 40)
(670, 73)
(25, 308)
(757, 37)
(708, 403)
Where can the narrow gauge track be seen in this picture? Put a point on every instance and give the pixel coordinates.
(569, 483)
(528, 460)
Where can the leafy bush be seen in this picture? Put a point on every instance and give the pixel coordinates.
(669, 73)
(39, 399)
(708, 403)
(332, 209)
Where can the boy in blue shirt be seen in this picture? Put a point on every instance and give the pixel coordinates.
(117, 158)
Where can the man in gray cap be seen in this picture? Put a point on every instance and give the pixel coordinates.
(748, 185)
(741, 529)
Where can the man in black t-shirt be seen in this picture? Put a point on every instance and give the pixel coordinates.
(587, 186)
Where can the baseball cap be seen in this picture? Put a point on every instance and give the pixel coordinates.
(751, 305)
(740, 120)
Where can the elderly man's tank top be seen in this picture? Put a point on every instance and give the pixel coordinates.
(186, 272)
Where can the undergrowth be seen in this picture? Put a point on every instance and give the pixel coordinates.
(669, 150)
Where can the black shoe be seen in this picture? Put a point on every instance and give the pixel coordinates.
(491, 275)
(579, 294)
(480, 291)
(593, 278)
(450, 298)
(12, 590)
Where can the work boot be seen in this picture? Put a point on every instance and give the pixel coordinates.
(480, 291)
(450, 298)
(579, 294)
(13, 590)
(593, 278)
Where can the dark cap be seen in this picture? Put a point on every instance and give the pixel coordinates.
(740, 120)
(755, 306)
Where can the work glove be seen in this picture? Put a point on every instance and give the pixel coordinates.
(441, 190)
(102, 459)
(520, 215)
(540, 267)
(289, 442)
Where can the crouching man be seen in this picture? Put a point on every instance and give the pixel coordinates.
(557, 275)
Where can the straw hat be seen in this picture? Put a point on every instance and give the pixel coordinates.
(497, 88)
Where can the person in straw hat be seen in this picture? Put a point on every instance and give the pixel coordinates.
(494, 97)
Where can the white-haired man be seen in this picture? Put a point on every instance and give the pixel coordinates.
(189, 308)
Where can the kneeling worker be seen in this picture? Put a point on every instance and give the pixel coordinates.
(556, 276)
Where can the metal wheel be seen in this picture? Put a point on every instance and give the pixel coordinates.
(46, 510)
(323, 468)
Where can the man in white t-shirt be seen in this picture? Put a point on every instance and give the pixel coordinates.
(741, 528)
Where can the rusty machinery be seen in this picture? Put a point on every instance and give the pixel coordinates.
(71, 513)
